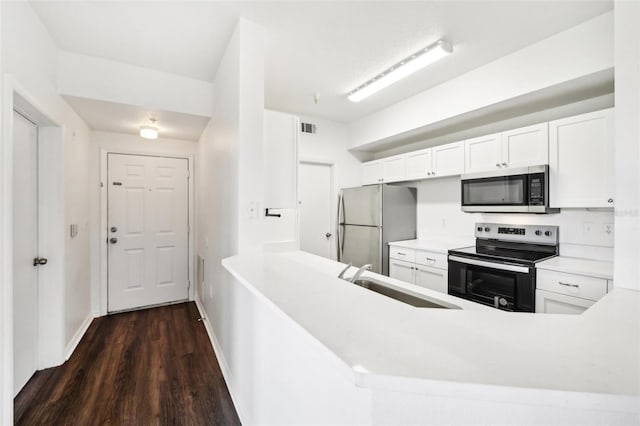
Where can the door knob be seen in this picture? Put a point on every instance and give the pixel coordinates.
(114, 229)
(328, 235)
(39, 261)
(113, 240)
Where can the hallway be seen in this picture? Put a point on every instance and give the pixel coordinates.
(148, 367)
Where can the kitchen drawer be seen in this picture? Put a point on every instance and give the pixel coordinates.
(401, 253)
(429, 258)
(571, 284)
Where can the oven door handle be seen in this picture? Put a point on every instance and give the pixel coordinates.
(493, 265)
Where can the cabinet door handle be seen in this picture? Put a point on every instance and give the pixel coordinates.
(505, 164)
(497, 164)
(610, 200)
(401, 254)
(430, 259)
(568, 284)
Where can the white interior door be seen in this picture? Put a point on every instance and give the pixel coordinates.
(148, 230)
(25, 249)
(316, 233)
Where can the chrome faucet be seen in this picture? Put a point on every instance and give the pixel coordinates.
(363, 268)
(341, 274)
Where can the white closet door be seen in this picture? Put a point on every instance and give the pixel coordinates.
(25, 249)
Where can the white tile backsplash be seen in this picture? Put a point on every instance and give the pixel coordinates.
(582, 232)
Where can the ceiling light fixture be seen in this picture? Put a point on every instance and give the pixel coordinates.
(149, 132)
(407, 66)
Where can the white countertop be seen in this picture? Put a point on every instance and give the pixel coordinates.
(376, 337)
(437, 245)
(575, 265)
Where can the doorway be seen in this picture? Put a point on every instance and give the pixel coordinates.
(147, 231)
(315, 201)
(26, 261)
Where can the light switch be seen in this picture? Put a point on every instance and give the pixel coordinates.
(252, 210)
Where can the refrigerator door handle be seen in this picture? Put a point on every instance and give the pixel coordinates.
(340, 219)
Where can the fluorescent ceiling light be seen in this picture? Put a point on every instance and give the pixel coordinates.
(406, 67)
(149, 132)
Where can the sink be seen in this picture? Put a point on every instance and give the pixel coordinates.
(416, 300)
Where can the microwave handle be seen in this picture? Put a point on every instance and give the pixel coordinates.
(492, 265)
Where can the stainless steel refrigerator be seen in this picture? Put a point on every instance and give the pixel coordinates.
(369, 217)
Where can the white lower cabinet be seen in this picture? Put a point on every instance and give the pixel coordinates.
(423, 268)
(563, 293)
(402, 270)
(548, 302)
(432, 278)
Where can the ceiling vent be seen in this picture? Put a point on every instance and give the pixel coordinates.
(307, 128)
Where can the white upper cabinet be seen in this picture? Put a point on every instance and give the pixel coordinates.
(443, 160)
(372, 172)
(394, 168)
(527, 146)
(448, 159)
(419, 164)
(581, 163)
(280, 156)
(483, 153)
(390, 169)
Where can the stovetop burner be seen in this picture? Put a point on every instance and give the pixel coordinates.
(502, 254)
(522, 244)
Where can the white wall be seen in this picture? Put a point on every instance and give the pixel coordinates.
(439, 215)
(330, 145)
(30, 57)
(102, 79)
(122, 143)
(627, 146)
(230, 176)
(571, 54)
(6, 293)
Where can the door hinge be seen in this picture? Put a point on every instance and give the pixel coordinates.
(188, 174)
(188, 284)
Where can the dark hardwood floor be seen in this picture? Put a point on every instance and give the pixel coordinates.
(148, 367)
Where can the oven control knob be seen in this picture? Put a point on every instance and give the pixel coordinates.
(502, 301)
(538, 232)
(479, 228)
(547, 233)
(487, 229)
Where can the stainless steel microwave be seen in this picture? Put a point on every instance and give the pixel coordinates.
(517, 190)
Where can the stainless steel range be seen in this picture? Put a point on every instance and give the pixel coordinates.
(499, 270)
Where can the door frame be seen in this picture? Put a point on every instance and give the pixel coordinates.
(51, 241)
(333, 207)
(104, 265)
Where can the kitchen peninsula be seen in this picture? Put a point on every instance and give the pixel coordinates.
(326, 351)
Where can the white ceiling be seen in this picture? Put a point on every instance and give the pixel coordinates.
(325, 47)
(120, 118)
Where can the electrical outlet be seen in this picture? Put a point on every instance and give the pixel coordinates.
(608, 228)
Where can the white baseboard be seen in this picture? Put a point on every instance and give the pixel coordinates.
(71, 347)
(224, 367)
